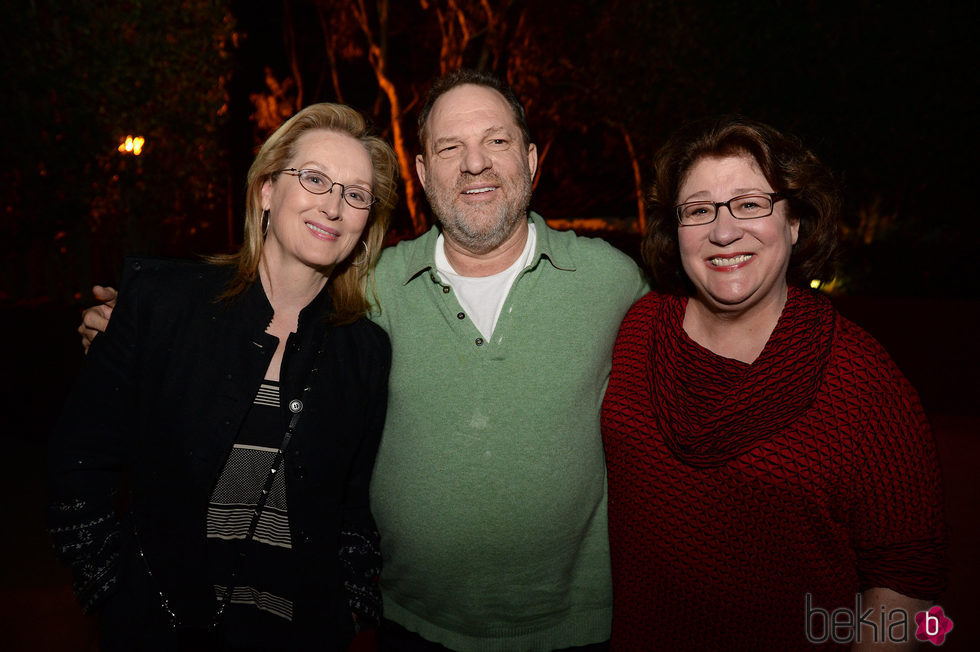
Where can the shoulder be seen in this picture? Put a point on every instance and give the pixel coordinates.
(147, 266)
(864, 373)
(872, 402)
(167, 294)
(366, 333)
(861, 355)
(397, 261)
(391, 257)
(364, 348)
(397, 265)
(642, 314)
(168, 277)
(602, 275)
(650, 305)
(592, 254)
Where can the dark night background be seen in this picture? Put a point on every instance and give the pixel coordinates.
(880, 91)
(883, 92)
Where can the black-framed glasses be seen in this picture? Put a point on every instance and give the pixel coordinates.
(318, 183)
(743, 207)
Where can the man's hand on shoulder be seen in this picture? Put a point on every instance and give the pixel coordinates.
(96, 318)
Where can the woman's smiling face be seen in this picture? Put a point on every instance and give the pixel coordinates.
(734, 264)
(318, 231)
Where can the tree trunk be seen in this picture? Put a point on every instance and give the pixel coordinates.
(641, 210)
(289, 37)
(377, 57)
(405, 158)
(330, 39)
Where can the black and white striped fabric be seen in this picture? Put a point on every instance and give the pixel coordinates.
(263, 589)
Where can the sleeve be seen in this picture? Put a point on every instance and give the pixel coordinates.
(360, 552)
(87, 454)
(375, 285)
(628, 279)
(900, 530)
(621, 276)
(642, 285)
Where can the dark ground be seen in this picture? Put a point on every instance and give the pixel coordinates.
(933, 342)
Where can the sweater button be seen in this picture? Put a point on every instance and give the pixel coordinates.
(479, 341)
(445, 289)
(460, 315)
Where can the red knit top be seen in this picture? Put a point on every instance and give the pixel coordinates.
(741, 493)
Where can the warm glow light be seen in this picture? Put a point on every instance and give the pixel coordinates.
(132, 145)
(815, 284)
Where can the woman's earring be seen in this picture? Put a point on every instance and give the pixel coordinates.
(265, 222)
(363, 258)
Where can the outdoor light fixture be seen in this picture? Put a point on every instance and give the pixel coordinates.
(132, 145)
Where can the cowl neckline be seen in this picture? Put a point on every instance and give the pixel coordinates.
(711, 409)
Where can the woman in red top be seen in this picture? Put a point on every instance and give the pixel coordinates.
(768, 462)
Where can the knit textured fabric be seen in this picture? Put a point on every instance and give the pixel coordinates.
(739, 494)
(710, 409)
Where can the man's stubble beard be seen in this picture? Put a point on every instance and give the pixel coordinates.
(490, 232)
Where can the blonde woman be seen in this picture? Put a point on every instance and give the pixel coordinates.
(243, 399)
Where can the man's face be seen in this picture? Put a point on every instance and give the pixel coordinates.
(476, 169)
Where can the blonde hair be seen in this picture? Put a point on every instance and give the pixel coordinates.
(348, 283)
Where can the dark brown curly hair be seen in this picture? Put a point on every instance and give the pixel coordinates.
(794, 171)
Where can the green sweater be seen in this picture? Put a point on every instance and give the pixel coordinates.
(489, 488)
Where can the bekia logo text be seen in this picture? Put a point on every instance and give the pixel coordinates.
(843, 625)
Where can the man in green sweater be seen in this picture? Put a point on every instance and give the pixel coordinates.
(489, 486)
(489, 489)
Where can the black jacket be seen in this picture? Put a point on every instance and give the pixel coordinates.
(162, 396)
